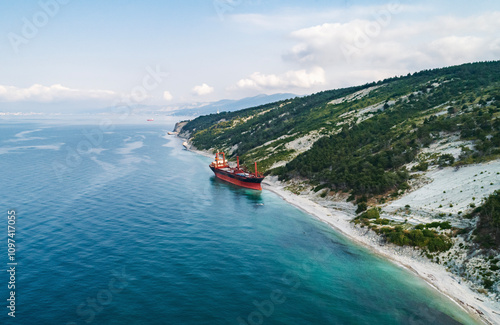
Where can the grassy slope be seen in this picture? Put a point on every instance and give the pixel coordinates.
(364, 142)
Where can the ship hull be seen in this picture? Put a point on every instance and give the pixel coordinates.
(251, 183)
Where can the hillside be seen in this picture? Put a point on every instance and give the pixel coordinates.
(359, 138)
(416, 157)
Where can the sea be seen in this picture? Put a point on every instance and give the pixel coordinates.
(119, 224)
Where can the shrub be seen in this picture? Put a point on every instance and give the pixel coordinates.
(385, 230)
(373, 213)
(423, 238)
(488, 283)
(361, 207)
(320, 187)
(446, 160)
(487, 234)
(417, 237)
(445, 225)
(362, 199)
(404, 186)
(399, 238)
(428, 233)
(434, 224)
(439, 243)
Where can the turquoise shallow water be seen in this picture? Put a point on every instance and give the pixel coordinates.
(125, 227)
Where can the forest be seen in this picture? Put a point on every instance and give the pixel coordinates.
(364, 143)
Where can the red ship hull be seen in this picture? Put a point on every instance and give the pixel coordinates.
(233, 178)
(236, 176)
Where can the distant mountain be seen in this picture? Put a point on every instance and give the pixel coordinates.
(194, 110)
(228, 105)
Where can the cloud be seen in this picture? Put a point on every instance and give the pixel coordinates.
(454, 48)
(291, 79)
(390, 41)
(202, 90)
(57, 92)
(167, 96)
(357, 41)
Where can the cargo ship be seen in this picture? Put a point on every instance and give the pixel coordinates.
(236, 175)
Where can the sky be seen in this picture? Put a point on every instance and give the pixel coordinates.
(66, 55)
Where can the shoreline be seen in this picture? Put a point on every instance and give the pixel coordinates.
(433, 274)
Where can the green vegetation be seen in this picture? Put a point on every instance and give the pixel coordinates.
(361, 207)
(362, 143)
(369, 157)
(487, 233)
(366, 217)
(423, 166)
(426, 239)
(443, 225)
(373, 213)
(446, 160)
(420, 236)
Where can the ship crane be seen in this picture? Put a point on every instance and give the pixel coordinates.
(235, 175)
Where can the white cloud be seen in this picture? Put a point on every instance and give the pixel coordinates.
(357, 41)
(167, 96)
(291, 79)
(380, 47)
(203, 89)
(455, 48)
(57, 92)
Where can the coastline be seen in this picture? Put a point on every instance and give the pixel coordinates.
(201, 152)
(435, 275)
(480, 308)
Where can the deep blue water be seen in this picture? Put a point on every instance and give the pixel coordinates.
(125, 227)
